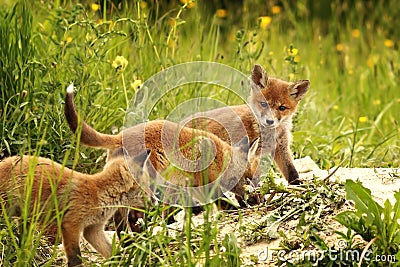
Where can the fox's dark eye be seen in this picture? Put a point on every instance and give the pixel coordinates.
(264, 104)
(282, 108)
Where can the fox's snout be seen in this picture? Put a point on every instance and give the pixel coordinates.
(270, 122)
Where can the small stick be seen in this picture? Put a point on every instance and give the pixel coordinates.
(365, 250)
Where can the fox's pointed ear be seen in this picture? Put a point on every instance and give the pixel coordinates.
(298, 89)
(259, 77)
(253, 148)
(243, 144)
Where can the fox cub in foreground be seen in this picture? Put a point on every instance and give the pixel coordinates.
(87, 201)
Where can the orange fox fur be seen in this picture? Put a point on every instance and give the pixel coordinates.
(155, 134)
(272, 105)
(158, 134)
(88, 201)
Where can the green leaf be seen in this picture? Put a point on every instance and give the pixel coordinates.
(349, 219)
(394, 227)
(364, 203)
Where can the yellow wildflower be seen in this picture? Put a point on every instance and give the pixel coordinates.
(351, 72)
(372, 60)
(120, 63)
(143, 4)
(335, 107)
(68, 39)
(95, 7)
(370, 63)
(221, 13)
(271, 53)
(265, 21)
(340, 47)
(377, 102)
(276, 10)
(355, 33)
(296, 59)
(292, 51)
(291, 77)
(389, 43)
(363, 119)
(188, 3)
(136, 84)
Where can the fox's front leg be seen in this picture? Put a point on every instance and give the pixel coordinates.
(71, 234)
(284, 160)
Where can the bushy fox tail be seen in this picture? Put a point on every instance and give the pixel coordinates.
(88, 136)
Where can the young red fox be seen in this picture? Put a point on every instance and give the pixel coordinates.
(155, 135)
(88, 201)
(273, 102)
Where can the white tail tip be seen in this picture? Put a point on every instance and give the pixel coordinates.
(70, 89)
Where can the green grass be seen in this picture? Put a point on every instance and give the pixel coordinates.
(348, 50)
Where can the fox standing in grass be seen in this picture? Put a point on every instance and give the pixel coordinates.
(86, 202)
(268, 116)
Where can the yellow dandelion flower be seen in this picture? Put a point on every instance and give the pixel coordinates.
(389, 43)
(292, 51)
(68, 39)
(143, 4)
(355, 33)
(136, 84)
(221, 13)
(276, 10)
(335, 107)
(370, 63)
(119, 63)
(265, 21)
(188, 3)
(377, 102)
(95, 7)
(339, 47)
(363, 119)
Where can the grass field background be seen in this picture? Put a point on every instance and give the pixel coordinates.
(349, 50)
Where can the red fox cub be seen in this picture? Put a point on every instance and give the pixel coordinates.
(273, 102)
(155, 134)
(88, 201)
(160, 134)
